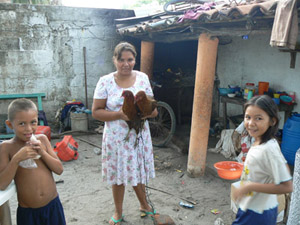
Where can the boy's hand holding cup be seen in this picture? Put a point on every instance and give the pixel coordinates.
(31, 149)
(35, 142)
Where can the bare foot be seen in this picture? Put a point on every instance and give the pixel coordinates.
(146, 208)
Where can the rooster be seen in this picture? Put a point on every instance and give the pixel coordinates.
(145, 104)
(131, 111)
(136, 108)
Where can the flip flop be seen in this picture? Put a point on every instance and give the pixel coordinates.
(145, 213)
(116, 221)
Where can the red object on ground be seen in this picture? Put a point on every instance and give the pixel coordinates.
(44, 130)
(67, 149)
(229, 170)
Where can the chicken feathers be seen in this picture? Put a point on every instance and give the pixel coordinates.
(145, 104)
(130, 109)
(136, 108)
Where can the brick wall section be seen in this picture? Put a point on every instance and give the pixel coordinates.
(41, 50)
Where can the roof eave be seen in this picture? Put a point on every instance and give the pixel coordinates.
(192, 31)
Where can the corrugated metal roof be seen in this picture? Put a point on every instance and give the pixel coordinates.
(221, 20)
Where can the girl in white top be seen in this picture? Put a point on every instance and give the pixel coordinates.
(265, 173)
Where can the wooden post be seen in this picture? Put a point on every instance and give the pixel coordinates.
(204, 83)
(147, 58)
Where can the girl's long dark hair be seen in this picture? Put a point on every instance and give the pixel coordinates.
(266, 104)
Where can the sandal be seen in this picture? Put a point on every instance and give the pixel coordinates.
(145, 213)
(116, 221)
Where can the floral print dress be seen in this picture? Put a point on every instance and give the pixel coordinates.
(122, 161)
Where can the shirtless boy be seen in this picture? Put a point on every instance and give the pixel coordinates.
(38, 199)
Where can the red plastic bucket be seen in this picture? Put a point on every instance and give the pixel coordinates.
(263, 87)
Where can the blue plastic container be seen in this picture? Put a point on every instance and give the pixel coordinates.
(225, 91)
(291, 138)
(276, 100)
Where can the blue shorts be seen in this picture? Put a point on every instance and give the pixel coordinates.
(268, 217)
(51, 214)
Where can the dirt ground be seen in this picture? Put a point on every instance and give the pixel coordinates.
(88, 200)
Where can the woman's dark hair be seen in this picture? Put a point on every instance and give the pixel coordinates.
(266, 104)
(121, 47)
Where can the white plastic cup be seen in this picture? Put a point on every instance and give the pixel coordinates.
(33, 138)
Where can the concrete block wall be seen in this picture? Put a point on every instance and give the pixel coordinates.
(41, 50)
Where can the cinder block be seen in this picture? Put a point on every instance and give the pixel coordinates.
(9, 44)
(2, 58)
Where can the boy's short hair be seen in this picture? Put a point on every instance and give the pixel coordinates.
(19, 105)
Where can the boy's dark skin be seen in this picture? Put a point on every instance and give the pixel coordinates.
(35, 187)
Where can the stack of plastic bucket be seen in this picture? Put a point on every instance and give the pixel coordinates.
(291, 138)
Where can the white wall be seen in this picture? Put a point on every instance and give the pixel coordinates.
(254, 60)
(41, 50)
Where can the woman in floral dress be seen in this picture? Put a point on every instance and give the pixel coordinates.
(123, 162)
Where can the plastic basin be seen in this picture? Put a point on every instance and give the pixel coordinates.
(285, 98)
(229, 170)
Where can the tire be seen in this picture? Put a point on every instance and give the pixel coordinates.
(163, 126)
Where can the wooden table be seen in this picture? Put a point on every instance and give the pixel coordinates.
(241, 101)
